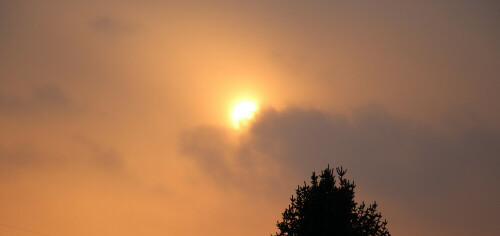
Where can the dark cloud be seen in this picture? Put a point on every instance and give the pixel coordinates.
(21, 156)
(26, 158)
(400, 161)
(104, 24)
(106, 158)
(79, 153)
(211, 147)
(46, 98)
(230, 165)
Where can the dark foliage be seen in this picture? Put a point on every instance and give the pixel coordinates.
(328, 208)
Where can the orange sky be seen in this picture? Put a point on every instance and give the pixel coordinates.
(115, 116)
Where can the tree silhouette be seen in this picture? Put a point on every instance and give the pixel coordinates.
(327, 208)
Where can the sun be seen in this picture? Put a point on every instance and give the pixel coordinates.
(243, 112)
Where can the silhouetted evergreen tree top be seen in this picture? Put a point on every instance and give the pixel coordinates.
(327, 208)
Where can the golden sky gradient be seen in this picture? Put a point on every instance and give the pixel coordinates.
(116, 116)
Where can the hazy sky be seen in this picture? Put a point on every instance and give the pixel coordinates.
(115, 116)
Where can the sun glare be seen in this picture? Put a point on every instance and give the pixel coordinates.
(243, 112)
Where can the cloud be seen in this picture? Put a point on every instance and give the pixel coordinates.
(210, 146)
(400, 161)
(105, 24)
(106, 158)
(79, 155)
(20, 156)
(46, 98)
(234, 166)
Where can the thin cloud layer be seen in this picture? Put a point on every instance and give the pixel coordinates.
(127, 77)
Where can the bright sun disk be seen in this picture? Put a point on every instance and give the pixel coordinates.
(243, 112)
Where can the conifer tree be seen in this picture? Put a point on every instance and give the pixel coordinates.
(327, 208)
